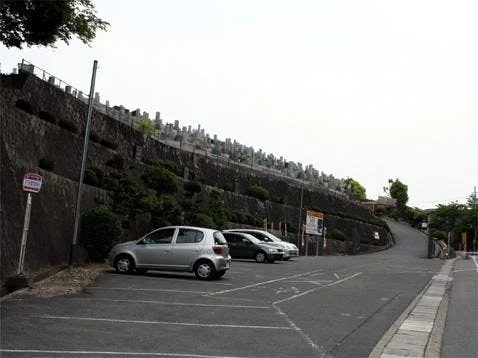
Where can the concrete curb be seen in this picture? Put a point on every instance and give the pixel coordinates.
(417, 332)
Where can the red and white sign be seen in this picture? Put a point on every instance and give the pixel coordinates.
(32, 182)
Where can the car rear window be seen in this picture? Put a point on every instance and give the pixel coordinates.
(219, 238)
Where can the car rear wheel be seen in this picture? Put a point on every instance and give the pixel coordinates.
(260, 256)
(124, 264)
(204, 270)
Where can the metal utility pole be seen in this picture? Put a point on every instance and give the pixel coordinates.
(83, 163)
(476, 223)
(300, 213)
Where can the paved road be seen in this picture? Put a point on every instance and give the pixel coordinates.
(308, 307)
(460, 338)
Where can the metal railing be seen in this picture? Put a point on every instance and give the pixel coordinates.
(29, 67)
(26, 66)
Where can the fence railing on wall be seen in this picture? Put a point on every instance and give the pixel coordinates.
(127, 118)
(29, 67)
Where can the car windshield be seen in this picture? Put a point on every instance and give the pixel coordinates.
(261, 236)
(253, 239)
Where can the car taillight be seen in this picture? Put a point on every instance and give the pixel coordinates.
(217, 250)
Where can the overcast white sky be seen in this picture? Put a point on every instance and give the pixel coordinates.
(365, 89)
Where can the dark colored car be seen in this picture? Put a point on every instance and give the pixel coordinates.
(246, 246)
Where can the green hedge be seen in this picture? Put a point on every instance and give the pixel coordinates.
(68, 125)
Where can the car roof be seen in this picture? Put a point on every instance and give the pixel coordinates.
(245, 234)
(187, 227)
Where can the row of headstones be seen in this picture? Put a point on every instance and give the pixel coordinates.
(197, 137)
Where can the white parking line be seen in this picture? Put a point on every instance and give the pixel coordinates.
(109, 353)
(315, 282)
(474, 260)
(304, 335)
(162, 322)
(317, 288)
(171, 303)
(145, 289)
(262, 283)
(336, 276)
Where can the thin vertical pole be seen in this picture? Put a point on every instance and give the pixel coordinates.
(83, 163)
(476, 224)
(300, 213)
(26, 226)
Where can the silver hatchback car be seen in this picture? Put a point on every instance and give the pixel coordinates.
(175, 248)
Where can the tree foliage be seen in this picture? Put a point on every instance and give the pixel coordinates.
(100, 230)
(453, 217)
(42, 23)
(358, 191)
(161, 180)
(258, 192)
(399, 192)
(145, 126)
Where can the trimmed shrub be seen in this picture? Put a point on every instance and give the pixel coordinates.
(277, 200)
(440, 235)
(204, 220)
(380, 210)
(252, 221)
(46, 163)
(166, 164)
(109, 143)
(68, 125)
(94, 137)
(24, 106)
(227, 187)
(337, 235)
(258, 192)
(47, 117)
(192, 187)
(116, 162)
(90, 177)
(161, 180)
(100, 174)
(100, 230)
(238, 217)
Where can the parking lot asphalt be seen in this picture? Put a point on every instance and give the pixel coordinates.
(306, 307)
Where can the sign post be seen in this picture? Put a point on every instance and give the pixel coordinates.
(315, 226)
(32, 184)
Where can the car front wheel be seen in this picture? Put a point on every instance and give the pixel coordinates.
(124, 264)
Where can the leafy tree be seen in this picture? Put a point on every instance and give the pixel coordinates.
(217, 208)
(145, 126)
(204, 220)
(451, 217)
(42, 23)
(192, 187)
(161, 180)
(358, 191)
(399, 192)
(100, 230)
(258, 192)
